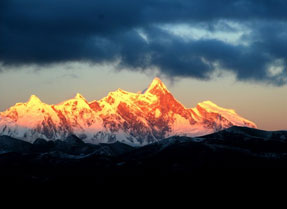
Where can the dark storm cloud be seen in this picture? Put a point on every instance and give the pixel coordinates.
(57, 31)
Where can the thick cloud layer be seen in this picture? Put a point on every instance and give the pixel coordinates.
(134, 33)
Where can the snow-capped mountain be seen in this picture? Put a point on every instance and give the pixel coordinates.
(132, 118)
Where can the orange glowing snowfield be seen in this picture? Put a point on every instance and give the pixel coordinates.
(133, 118)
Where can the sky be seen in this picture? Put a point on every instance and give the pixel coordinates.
(232, 52)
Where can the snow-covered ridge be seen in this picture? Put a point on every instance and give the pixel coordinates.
(132, 118)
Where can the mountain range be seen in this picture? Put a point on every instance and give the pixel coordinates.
(135, 119)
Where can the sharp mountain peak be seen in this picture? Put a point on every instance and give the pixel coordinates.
(34, 100)
(156, 86)
(80, 97)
